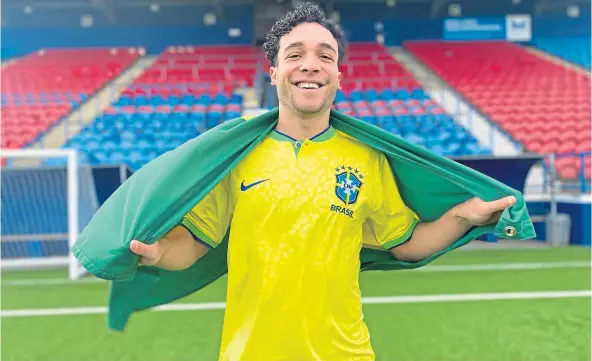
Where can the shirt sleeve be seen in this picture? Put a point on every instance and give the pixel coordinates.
(209, 220)
(391, 222)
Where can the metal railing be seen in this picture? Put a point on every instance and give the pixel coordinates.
(581, 184)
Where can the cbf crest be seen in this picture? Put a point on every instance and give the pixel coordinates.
(349, 182)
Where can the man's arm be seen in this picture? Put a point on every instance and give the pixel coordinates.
(176, 251)
(431, 237)
(201, 229)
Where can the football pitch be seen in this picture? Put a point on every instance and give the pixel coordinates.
(470, 305)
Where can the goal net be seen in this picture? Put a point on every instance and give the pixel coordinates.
(47, 197)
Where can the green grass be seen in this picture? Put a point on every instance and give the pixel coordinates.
(372, 284)
(537, 330)
(513, 330)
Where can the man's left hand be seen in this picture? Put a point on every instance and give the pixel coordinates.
(431, 237)
(476, 212)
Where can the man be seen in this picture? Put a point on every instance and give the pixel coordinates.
(293, 292)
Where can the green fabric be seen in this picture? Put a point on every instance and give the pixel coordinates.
(155, 199)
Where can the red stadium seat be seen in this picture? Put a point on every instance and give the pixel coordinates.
(542, 104)
(49, 80)
(224, 67)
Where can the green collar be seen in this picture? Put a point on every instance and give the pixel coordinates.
(321, 137)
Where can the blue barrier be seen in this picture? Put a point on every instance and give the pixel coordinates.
(512, 171)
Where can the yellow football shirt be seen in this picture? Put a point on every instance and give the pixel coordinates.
(298, 214)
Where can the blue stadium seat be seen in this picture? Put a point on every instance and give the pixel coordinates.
(102, 156)
(356, 95)
(143, 125)
(139, 100)
(188, 99)
(412, 115)
(117, 157)
(123, 100)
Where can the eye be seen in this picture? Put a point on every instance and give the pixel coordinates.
(292, 56)
(327, 57)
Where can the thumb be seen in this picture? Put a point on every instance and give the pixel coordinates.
(142, 249)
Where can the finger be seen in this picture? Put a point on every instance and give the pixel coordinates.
(495, 217)
(143, 261)
(501, 204)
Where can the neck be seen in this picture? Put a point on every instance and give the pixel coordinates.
(301, 128)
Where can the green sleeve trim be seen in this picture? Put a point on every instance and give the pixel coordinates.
(404, 237)
(198, 233)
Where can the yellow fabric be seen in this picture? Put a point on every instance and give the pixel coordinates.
(293, 256)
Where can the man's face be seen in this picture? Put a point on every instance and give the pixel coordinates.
(306, 73)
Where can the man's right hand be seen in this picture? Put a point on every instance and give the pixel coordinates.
(176, 251)
(149, 254)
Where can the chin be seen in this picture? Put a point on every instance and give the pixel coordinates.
(309, 105)
(309, 109)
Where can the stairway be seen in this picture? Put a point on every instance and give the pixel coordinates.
(249, 97)
(80, 117)
(467, 115)
(7, 62)
(463, 112)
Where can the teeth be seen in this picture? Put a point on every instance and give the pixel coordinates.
(308, 85)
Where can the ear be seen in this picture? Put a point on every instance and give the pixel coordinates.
(339, 79)
(273, 75)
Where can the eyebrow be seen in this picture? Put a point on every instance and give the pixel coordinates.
(299, 44)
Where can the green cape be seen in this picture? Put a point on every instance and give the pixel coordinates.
(155, 199)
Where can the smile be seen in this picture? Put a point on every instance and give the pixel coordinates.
(308, 85)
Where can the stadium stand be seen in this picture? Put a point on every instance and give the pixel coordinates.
(544, 106)
(174, 100)
(184, 64)
(574, 50)
(379, 90)
(371, 66)
(41, 88)
(186, 91)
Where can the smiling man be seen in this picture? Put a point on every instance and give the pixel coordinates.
(299, 208)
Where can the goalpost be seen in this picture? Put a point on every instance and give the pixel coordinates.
(47, 197)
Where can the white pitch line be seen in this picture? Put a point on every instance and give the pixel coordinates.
(429, 268)
(504, 266)
(477, 297)
(365, 300)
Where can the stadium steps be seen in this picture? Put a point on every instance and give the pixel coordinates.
(556, 60)
(463, 112)
(249, 97)
(8, 62)
(95, 105)
(254, 111)
(88, 111)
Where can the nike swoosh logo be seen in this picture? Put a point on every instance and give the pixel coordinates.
(247, 187)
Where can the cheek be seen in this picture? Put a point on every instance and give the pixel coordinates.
(281, 80)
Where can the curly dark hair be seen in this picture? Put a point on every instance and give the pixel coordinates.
(305, 13)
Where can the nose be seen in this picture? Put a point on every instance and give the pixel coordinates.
(310, 64)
